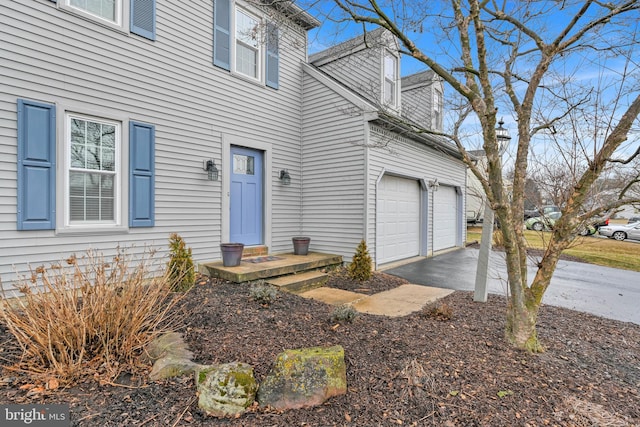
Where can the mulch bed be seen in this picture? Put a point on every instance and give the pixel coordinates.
(417, 370)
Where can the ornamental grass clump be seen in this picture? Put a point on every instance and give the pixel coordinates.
(360, 268)
(181, 269)
(90, 317)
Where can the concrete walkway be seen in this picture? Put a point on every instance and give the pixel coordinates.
(396, 302)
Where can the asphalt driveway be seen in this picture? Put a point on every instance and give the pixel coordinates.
(602, 291)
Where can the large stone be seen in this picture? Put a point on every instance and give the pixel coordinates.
(226, 390)
(170, 344)
(169, 366)
(304, 377)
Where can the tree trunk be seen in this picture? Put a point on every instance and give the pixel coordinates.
(521, 325)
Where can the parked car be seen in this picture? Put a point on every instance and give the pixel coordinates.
(544, 222)
(541, 211)
(621, 231)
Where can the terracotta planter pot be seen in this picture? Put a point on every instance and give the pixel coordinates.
(301, 245)
(231, 254)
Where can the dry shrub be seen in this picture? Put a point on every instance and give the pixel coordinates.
(90, 317)
(263, 293)
(344, 313)
(438, 311)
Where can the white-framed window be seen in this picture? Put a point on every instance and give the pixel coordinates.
(248, 49)
(389, 93)
(437, 109)
(108, 10)
(92, 168)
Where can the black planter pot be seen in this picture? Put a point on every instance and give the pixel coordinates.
(231, 254)
(301, 245)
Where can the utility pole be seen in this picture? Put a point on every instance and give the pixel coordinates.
(482, 271)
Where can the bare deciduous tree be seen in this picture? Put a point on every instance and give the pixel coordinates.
(512, 55)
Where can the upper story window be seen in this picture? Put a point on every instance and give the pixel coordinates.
(247, 44)
(109, 10)
(136, 16)
(390, 80)
(437, 109)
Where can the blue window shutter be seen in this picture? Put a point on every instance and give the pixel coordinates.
(143, 18)
(222, 33)
(36, 165)
(141, 175)
(273, 57)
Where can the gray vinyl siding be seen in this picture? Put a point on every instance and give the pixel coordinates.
(360, 71)
(334, 171)
(413, 160)
(417, 105)
(54, 56)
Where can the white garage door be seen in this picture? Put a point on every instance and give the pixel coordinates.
(445, 218)
(398, 219)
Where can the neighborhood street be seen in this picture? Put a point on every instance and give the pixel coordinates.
(603, 291)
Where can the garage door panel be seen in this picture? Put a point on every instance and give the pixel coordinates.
(445, 214)
(398, 219)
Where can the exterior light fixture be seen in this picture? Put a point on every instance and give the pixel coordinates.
(212, 170)
(285, 177)
(503, 137)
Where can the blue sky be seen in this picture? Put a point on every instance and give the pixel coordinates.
(585, 68)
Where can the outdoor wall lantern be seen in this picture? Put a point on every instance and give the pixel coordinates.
(434, 184)
(503, 137)
(212, 170)
(285, 178)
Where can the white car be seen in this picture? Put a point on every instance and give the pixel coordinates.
(622, 231)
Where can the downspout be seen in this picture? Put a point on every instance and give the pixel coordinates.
(302, 78)
(366, 215)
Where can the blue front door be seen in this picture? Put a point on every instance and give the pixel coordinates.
(246, 196)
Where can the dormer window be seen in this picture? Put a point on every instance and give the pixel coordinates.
(389, 94)
(437, 110)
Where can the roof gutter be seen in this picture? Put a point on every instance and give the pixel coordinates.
(436, 142)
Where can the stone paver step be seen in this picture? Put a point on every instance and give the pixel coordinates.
(299, 282)
(396, 302)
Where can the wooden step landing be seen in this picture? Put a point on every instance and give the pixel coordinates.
(299, 282)
(282, 265)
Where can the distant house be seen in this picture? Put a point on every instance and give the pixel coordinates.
(111, 112)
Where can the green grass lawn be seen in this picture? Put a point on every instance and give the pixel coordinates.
(594, 250)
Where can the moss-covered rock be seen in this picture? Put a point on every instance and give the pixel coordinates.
(304, 377)
(225, 390)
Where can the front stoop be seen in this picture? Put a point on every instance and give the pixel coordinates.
(292, 273)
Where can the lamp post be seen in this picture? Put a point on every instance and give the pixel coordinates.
(482, 271)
